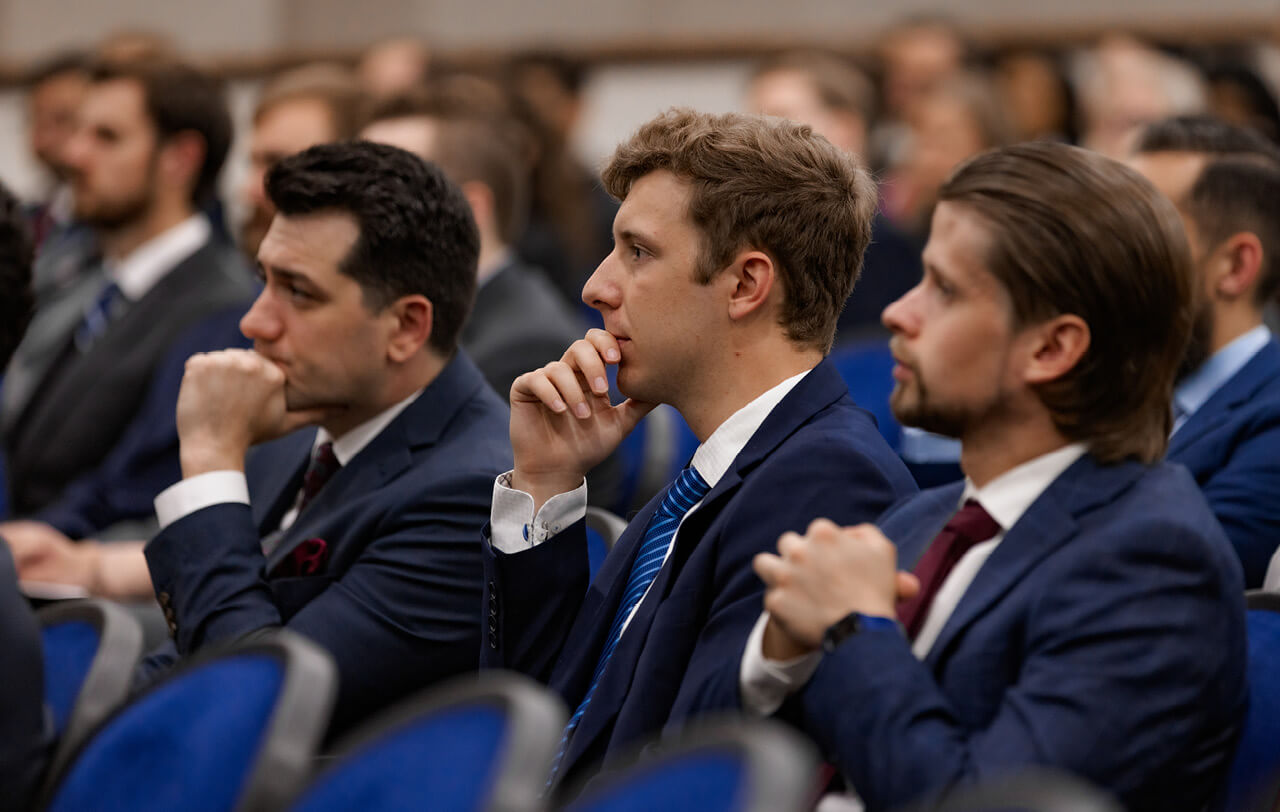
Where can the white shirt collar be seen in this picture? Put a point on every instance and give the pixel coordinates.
(1009, 495)
(353, 442)
(1196, 389)
(713, 457)
(147, 264)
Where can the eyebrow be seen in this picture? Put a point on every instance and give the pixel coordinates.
(631, 235)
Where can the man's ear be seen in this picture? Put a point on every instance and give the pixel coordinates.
(181, 157)
(1057, 346)
(1235, 265)
(753, 276)
(413, 317)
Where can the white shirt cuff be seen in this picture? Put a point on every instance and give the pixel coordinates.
(764, 683)
(199, 492)
(512, 525)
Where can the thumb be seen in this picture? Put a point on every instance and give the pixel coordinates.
(631, 411)
(907, 585)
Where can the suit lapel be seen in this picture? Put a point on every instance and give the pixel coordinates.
(387, 455)
(819, 389)
(1263, 367)
(46, 340)
(1050, 522)
(274, 471)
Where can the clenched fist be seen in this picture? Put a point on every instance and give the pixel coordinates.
(229, 401)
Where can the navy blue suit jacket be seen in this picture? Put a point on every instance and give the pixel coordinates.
(1231, 445)
(1104, 636)
(26, 731)
(398, 603)
(816, 454)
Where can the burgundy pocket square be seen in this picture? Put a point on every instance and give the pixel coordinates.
(308, 558)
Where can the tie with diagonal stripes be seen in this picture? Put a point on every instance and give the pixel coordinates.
(684, 493)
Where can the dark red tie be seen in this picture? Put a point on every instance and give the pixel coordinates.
(324, 464)
(969, 526)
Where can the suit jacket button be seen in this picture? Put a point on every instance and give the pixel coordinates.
(493, 641)
(164, 598)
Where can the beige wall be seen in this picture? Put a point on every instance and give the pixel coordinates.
(29, 28)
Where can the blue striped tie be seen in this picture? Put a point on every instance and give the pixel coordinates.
(684, 493)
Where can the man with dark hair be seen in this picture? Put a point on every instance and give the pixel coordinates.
(1225, 182)
(369, 268)
(1073, 603)
(736, 245)
(309, 105)
(144, 157)
(25, 733)
(519, 321)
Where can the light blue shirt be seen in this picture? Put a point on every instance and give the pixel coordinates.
(1196, 389)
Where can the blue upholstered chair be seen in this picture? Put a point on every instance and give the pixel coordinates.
(232, 729)
(477, 743)
(1255, 774)
(91, 648)
(867, 368)
(721, 766)
(603, 530)
(1032, 790)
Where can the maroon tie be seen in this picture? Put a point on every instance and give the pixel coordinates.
(969, 526)
(324, 464)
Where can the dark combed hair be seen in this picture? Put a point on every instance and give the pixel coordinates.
(1074, 232)
(180, 98)
(1237, 190)
(770, 185)
(417, 235)
(17, 302)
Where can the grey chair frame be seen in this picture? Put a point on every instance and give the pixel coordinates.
(536, 718)
(110, 676)
(297, 724)
(608, 525)
(1038, 789)
(782, 765)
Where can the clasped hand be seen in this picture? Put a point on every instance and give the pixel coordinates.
(820, 577)
(562, 421)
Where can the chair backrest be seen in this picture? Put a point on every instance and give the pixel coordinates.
(234, 728)
(867, 368)
(476, 743)
(1254, 782)
(91, 648)
(719, 766)
(603, 530)
(1032, 790)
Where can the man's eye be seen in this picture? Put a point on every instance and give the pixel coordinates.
(636, 253)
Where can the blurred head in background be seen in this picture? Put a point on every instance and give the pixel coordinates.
(1125, 85)
(822, 90)
(313, 104)
(393, 66)
(916, 56)
(149, 144)
(1038, 96)
(56, 89)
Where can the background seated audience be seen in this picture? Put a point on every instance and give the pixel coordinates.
(1097, 630)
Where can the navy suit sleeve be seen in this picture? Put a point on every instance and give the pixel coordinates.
(145, 460)
(1241, 494)
(405, 613)
(1122, 618)
(840, 484)
(531, 601)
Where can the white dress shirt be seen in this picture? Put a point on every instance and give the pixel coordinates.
(222, 487)
(515, 528)
(766, 683)
(1195, 390)
(139, 271)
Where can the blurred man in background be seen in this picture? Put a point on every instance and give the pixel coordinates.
(1225, 182)
(56, 89)
(145, 156)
